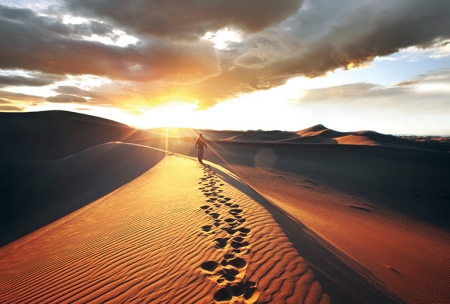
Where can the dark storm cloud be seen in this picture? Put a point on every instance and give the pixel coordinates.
(64, 98)
(377, 28)
(327, 35)
(187, 19)
(281, 39)
(5, 95)
(35, 80)
(41, 44)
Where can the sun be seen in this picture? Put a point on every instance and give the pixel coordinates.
(173, 113)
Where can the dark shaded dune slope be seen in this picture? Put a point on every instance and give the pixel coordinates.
(414, 182)
(60, 187)
(54, 162)
(52, 134)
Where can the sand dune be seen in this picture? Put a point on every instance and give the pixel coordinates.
(59, 187)
(166, 237)
(318, 134)
(243, 137)
(52, 134)
(357, 140)
(381, 207)
(283, 218)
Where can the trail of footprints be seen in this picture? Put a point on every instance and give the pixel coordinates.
(228, 225)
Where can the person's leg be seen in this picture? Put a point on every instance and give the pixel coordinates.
(200, 154)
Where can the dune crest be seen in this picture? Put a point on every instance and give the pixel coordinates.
(179, 233)
(56, 188)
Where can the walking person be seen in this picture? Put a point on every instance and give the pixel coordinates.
(200, 145)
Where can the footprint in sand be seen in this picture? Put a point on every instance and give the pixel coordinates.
(244, 230)
(207, 229)
(237, 262)
(221, 242)
(229, 230)
(230, 220)
(235, 211)
(247, 290)
(229, 273)
(209, 266)
(228, 256)
(238, 245)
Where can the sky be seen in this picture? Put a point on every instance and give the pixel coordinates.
(381, 65)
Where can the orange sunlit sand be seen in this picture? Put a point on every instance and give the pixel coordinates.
(95, 211)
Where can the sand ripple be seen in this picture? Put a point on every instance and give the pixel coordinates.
(177, 234)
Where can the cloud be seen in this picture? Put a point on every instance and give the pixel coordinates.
(426, 93)
(64, 98)
(43, 44)
(18, 97)
(34, 80)
(94, 97)
(406, 83)
(187, 19)
(327, 35)
(6, 108)
(280, 40)
(376, 28)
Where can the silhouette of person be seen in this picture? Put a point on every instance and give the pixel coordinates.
(200, 145)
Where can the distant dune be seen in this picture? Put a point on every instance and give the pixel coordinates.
(53, 134)
(92, 210)
(319, 134)
(243, 137)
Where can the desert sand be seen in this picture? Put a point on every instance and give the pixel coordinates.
(95, 211)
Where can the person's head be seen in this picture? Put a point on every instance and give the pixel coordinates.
(201, 135)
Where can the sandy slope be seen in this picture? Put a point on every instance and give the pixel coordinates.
(379, 207)
(385, 209)
(45, 192)
(371, 222)
(177, 234)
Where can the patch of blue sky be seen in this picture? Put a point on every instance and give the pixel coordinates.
(393, 69)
